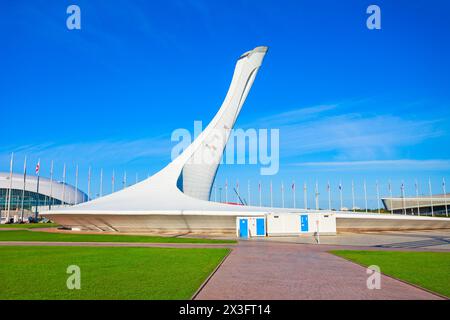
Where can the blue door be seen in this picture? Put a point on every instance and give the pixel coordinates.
(243, 228)
(260, 227)
(304, 223)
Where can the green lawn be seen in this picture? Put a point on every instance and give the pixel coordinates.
(28, 225)
(430, 270)
(25, 235)
(105, 273)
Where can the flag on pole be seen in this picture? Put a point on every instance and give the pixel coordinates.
(37, 170)
(317, 195)
(38, 167)
(226, 190)
(293, 193)
(305, 195)
(329, 195)
(112, 181)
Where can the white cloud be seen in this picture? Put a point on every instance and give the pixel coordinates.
(350, 136)
(397, 164)
(112, 152)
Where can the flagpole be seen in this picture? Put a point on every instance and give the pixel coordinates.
(329, 195)
(112, 182)
(23, 189)
(403, 197)
(445, 197)
(260, 195)
(271, 194)
(10, 186)
(293, 193)
(353, 196)
(101, 182)
(417, 197)
(51, 187)
(390, 194)
(226, 190)
(38, 169)
(89, 183)
(365, 195)
(317, 195)
(431, 197)
(248, 192)
(76, 184)
(305, 195)
(378, 196)
(64, 186)
(340, 195)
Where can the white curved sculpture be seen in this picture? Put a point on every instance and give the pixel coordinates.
(202, 158)
(185, 184)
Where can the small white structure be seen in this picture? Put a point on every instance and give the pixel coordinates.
(294, 224)
(286, 224)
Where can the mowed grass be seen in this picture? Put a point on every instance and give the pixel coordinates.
(105, 273)
(25, 235)
(28, 225)
(430, 270)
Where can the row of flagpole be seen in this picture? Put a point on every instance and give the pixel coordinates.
(8, 197)
(340, 189)
(238, 198)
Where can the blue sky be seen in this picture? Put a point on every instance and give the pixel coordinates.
(350, 103)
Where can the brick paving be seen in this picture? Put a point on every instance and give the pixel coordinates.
(269, 270)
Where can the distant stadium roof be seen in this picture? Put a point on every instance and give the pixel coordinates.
(397, 203)
(48, 188)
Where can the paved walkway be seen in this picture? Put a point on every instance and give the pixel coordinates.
(270, 270)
